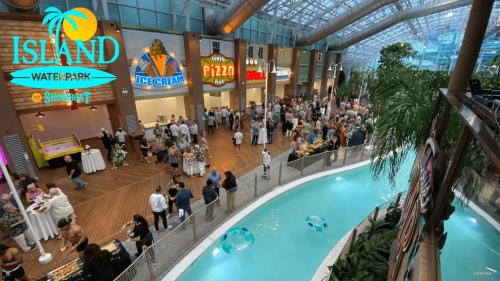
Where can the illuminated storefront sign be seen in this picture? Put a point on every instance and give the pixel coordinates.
(255, 75)
(156, 69)
(217, 70)
(72, 44)
(48, 97)
(282, 73)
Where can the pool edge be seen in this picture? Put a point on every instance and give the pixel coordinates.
(193, 255)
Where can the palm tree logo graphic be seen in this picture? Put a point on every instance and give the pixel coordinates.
(78, 24)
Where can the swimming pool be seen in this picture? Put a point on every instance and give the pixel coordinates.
(285, 247)
(472, 249)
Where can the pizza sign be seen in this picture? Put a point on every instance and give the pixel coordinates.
(217, 70)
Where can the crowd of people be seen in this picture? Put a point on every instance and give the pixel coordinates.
(182, 145)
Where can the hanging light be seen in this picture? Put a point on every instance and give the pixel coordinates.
(39, 114)
(341, 68)
(330, 68)
(93, 108)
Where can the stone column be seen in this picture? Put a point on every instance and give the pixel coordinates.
(311, 76)
(333, 104)
(324, 76)
(124, 108)
(338, 59)
(272, 54)
(237, 97)
(193, 102)
(471, 45)
(291, 88)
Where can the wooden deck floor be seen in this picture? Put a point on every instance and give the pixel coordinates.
(114, 196)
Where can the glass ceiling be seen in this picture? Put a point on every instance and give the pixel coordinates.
(437, 37)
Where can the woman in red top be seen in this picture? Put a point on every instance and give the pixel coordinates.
(342, 134)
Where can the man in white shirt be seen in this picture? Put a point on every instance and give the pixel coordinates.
(174, 129)
(194, 132)
(120, 136)
(224, 115)
(159, 206)
(58, 205)
(211, 124)
(276, 108)
(238, 140)
(184, 129)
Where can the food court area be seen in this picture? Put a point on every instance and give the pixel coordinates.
(197, 98)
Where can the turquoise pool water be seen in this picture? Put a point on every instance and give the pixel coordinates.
(286, 248)
(472, 249)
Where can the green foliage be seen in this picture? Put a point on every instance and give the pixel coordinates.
(368, 256)
(403, 101)
(353, 86)
(394, 55)
(393, 214)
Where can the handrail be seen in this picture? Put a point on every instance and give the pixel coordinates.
(148, 266)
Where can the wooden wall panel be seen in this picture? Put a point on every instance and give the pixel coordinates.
(21, 96)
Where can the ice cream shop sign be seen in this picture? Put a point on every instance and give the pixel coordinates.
(156, 69)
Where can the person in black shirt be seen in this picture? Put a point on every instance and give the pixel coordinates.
(230, 186)
(140, 233)
(22, 181)
(334, 145)
(145, 147)
(97, 265)
(182, 201)
(74, 172)
(209, 196)
(107, 141)
(171, 193)
(270, 130)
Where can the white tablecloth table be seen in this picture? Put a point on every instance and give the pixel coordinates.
(92, 161)
(43, 224)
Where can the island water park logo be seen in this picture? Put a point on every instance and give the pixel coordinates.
(62, 71)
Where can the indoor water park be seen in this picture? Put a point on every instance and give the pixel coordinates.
(273, 140)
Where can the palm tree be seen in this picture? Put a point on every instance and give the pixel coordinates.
(55, 19)
(403, 101)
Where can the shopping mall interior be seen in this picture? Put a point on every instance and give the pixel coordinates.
(213, 140)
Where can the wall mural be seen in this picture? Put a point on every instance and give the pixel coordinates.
(416, 208)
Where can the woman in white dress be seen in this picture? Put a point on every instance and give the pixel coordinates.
(188, 163)
(262, 133)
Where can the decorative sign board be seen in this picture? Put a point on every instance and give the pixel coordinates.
(156, 69)
(217, 70)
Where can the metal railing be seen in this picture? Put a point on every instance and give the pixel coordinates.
(157, 260)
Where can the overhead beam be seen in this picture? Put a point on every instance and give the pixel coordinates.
(409, 14)
(341, 21)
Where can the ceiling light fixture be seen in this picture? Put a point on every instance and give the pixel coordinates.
(39, 114)
(93, 108)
